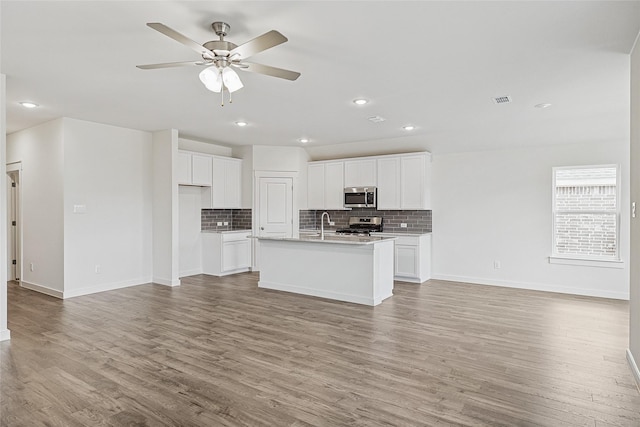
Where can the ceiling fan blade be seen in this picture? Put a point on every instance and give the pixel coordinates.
(270, 71)
(180, 38)
(171, 64)
(239, 65)
(259, 44)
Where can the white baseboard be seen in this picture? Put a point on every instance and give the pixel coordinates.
(191, 272)
(42, 289)
(166, 282)
(634, 368)
(5, 335)
(105, 287)
(534, 286)
(320, 293)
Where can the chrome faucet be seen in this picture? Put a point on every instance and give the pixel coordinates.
(322, 224)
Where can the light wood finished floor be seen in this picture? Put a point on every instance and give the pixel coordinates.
(221, 352)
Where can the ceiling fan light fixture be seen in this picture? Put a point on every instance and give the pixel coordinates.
(231, 79)
(211, 78)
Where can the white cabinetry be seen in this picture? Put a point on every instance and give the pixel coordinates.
(226, 183)
(226, 253)
(325, 185)
(389, 183)
(412, 257)
(415, 181)
(404, 181)
(194, 169)
(360, 173)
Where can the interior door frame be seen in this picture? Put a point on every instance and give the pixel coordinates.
(255, 215)
(16, 168)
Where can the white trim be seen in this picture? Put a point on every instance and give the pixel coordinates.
(191, 272)
(322, 294)
(105, 287)
(42, 289)
(545, 287)
(634, 368)
(165, 282)
(602, 263)
(5, 335)
(15, 166)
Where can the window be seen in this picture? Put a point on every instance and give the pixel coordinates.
(586, 213)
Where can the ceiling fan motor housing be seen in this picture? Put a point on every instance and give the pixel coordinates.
(221, 28)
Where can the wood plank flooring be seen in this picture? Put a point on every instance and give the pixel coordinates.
(221, 352)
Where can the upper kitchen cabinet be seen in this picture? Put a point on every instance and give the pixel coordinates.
(325, 185)
(415, 181)
(360, 173)
(194, 169)
(225, 190)
(389, 183)
(404, 181)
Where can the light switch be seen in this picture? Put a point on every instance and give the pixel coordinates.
(633, 210)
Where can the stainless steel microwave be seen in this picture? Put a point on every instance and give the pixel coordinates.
(360, 197)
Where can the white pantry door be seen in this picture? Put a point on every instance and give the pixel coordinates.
(275, 214)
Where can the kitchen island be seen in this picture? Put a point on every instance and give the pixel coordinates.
(345, 268)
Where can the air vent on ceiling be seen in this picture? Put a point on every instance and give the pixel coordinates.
(501, 99)
(376, 119)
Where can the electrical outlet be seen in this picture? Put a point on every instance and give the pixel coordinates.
(332, 223)
(496, 265)
(219, 223)
(226, 223)
(97, 268)
(32, 267)
(403, 225)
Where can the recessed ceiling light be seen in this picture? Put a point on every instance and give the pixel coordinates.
(542, 105)
(304, 140)
(241, 123)
(360, 101)
(27, 104)
(408, 127)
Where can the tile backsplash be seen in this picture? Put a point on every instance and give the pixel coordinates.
(236, 219)
(417, 221)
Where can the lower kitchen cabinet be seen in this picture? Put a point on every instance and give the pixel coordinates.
(226, 253)
(412, 257)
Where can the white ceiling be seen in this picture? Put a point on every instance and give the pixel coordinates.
(435, 65)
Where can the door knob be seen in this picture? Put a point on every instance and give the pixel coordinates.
(261, 228)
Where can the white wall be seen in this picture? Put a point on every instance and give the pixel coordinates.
(496, 205)
(40, 149)
(165, 208)
(204, 147)
(190, 240)
(634, 305)
(107, 169)
(4, 331)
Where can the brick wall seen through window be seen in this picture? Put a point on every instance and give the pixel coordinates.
(586, 212)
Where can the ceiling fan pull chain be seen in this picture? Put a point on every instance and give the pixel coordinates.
(222, 96)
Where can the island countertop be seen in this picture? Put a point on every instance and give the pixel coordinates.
(332, 239)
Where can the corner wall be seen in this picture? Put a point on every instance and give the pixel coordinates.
(108, 172)
(40, 149)
(165, 208)
(633, 353)
(496, 206)
(4, 331)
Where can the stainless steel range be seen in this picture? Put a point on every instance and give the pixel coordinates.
(362, 225)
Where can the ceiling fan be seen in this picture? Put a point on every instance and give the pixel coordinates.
(221, 56)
